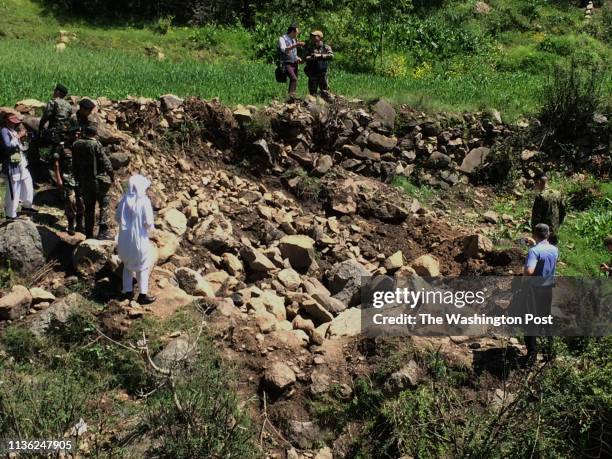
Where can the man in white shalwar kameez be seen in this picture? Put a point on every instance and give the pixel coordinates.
(19, 187)
(134, 216)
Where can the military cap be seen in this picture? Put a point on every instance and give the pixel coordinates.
(61, 88)
(316, 33)
(87, 104)
(541, 176)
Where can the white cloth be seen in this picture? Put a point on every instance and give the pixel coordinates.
(134, 215)
(142, 278)
(23, 190)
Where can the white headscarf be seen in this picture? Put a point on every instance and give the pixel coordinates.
(135, 203)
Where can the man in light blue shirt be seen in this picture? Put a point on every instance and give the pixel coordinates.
(287, 51)
(541, 264)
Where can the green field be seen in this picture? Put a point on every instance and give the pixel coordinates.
(506, 70)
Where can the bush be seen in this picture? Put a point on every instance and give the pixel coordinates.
(570, 100)
(209, 423)
(20, 343)
(163, 25)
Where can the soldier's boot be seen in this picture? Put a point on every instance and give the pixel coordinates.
(70, 227)
(79, 224)
(104, 234)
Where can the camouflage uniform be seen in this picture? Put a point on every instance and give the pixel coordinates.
(317, 63)
(58, 113)
(71, 196)
(548, 208)
(93, 172)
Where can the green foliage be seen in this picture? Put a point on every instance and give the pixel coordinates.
(163, 25)
(572, 97)
(210, 422)
(20, 343)
(76, 330)
(259, 127)
(423, 193)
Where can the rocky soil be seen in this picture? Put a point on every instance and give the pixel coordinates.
(271, 216)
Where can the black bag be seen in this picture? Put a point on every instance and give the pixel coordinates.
(280, 74)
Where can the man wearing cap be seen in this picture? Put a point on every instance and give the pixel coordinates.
(55, 122)
(547, 208)
(288, 56)
(81, 119)
(318, 55)
(93, 172)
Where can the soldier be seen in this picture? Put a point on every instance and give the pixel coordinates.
(94, 175)
(81, 119)
(55, 123)
(547, 208)
(71, 195)
(318, 56)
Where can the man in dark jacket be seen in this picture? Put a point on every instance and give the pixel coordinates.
(94, 175)
(318, 55)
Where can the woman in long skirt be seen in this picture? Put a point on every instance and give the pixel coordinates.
(134, 216)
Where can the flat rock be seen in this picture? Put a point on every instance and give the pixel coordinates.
(193, 283)
(15, 303)
(381, 143)
(474, 159)
(91, 256)
(279, 376)
(347, 323)
(174, 221)
(299, 249)
(57, 314)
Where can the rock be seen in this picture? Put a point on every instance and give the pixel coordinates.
(381, 143)
(31, 103)
(193, 283)
(290, 279)
(405, 378)
(299, 323)
(345, 281)
(119, 159)
(216, 234)
(430, 129)
(39, 295)
(384, 113)
(57, 314)
(243, 114)
(314, 309)
(110, 135)
(477, 246)
(278, 376)
(426, 266)
(323, 164)
(233, 264)
(174, 221)
(91, 256)
(331, 304)
(491, 216)
(394, 262)
(299, 249)
(439, 160)
(495, 116)
(474, 159)
(167, 244)
(21, 246)
(347, 323)
(482, 8)
(303, 434)
(320, 382)
(170, 102)
(260, 148)
(527, 155)
(15, 303)
(324, 453)
(178, 351)
(265, 320)
(256, 260)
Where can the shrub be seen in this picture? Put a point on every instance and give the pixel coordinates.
(209, 423)
(20, 343)
(163, 25)
(571, 99)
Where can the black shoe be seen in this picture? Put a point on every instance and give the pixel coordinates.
(127, 296)
(146, 299)
(104, 236)
(79, 225)
(70, 228)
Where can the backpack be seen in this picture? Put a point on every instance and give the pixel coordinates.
(280, 74)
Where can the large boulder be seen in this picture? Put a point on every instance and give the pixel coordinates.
(381, 143)
(216, 234)
(474, 159)
(347, 323)
(426, 266)
(109, 135)
(477, 246)
(384, 113)
(91, 256)
(167, 244)
(57, 314)
(173, 220)
(345, 281)
(193, 283)
(278, 376)
(15, 303)
(299, 249)
(256, 260)
(21, 246)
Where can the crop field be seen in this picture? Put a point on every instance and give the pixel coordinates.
(31, 70)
